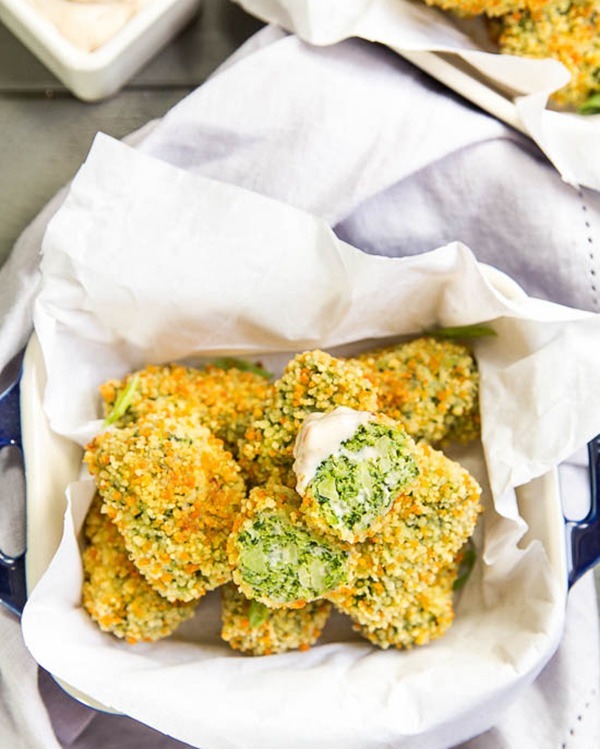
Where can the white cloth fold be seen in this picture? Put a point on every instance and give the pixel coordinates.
(397, 166)
(419, 32)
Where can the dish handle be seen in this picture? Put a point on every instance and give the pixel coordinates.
(13, 589)
(583, 536)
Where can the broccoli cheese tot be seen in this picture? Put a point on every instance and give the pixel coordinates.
(276, 558)
(312, 381)
(253, 628)
(173, 492)
(430, 386)
(349, 504)
(115, 594)
(420, 538)
(350, 467)
(225, 400)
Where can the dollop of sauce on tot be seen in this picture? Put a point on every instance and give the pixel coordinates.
(322, 435)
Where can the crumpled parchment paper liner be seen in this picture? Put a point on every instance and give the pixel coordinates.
(145, 263)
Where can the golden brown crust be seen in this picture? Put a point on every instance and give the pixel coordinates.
(115, 594)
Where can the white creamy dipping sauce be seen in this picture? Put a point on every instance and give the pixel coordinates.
(321, 436)
(88, 24)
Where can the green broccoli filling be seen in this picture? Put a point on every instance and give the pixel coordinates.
(285, 563)
(258, 614)
(231, 362)
(357, 485)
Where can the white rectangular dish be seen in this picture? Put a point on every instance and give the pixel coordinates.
(92, 76)
(53, 462)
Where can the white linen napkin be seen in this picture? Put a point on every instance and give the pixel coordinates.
(353, 134)
(419, 32)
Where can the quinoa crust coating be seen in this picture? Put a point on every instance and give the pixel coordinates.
(478, 7)
(114, 593)
(276, 559)
(225, 400)
(251, 627)
(312, 381)
(430, 386)
(176, 521)
(567, 30)
(173, 491)
(390, 574)
(426, 616)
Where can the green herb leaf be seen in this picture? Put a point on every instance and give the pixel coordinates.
(591, 105)
(461, 331)
(465, 566)
(123, 401)
(258, 613)
(230, 362)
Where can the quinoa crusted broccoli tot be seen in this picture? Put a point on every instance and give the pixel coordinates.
(225, 400)
(115, 595)
(427, 615)
(430, 386)
(350, 467)
(390, 573)
(253, 628)
(567, 30)
(173, 492)
(276, 558)
(312, 381)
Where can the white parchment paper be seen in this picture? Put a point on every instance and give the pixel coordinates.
(570, 141)
(146, 263)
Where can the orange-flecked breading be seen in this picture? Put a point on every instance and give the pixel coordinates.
(312, 381)
(479, 7)
(565, 30)
(252, 628)
(276, 558)
(225, 400)
(425, 616)
(420, 537)
(430, 386)
(173, 491)
(177, 522)
(114, 593)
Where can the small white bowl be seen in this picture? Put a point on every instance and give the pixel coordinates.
(95, 75)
